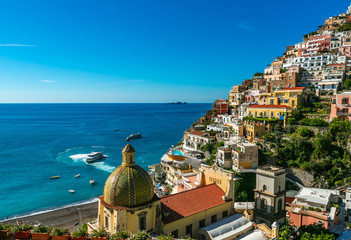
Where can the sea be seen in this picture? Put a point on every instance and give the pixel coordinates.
(43, 140)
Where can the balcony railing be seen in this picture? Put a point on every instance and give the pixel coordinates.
(343, 114)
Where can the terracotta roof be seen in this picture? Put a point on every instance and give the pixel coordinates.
(180, 205)
(293, 88)
(197, 133)
(268, 106)
(336, 64)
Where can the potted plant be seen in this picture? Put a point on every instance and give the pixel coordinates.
(80, 234)
(141, 236)
(22, 231)
(4, 230)
(60, 234)
(165, 237)
(120, 234)
(100, 234)
(41, 233)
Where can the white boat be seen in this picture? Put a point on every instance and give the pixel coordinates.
(71, 191)
(78, 175)
(92, 181)
(133, 136)
(54, 177)
(94, 156)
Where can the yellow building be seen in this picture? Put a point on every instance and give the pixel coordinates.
(129, 203)
(245, 156)
(268, 111)
(285, 96)
(256, 129)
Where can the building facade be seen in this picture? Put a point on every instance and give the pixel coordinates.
(270, 195)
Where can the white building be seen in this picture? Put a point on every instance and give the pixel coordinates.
(196, 139)
(316, 62)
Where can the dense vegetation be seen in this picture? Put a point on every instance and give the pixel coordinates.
(325, 155)
(306, 232)
(345, 27)
(244, 187)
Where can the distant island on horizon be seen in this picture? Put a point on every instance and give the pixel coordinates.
(177, 103)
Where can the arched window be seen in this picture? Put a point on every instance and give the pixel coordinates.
(264, 188)
(280, 205)
(264, 204)
(279, 189)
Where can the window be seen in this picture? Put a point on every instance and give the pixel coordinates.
(279, 189)
(280, 205)
(189, 230)
(202, 223)
(264, 204)
(224, 214)
(175, 233)
(142, 221)
(264, 188)
(106, 222)
(320, 222)
(213, 219)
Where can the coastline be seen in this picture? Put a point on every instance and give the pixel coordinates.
(64, 216)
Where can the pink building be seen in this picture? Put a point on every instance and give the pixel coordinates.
(315, 206)
(345, 49)
(341, 107)
(318, 43)
(252, 96)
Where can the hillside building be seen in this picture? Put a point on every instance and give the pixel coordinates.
(270, 195)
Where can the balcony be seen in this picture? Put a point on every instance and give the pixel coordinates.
(343, 114)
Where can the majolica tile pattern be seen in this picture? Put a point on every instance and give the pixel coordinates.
(128, 186)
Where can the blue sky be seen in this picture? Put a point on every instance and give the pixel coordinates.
(144, 51)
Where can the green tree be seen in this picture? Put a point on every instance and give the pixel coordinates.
(347, 83)
(304, 132)
(315, 232)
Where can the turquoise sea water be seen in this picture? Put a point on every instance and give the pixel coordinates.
(42, 140)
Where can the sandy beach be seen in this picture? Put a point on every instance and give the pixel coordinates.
(62, 217)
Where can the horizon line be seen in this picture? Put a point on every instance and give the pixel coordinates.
(107, 103)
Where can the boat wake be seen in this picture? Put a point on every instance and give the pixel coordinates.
(99, 165)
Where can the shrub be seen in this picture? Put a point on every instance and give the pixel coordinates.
(4, 226)
(304, 132)
(269, 137)
(22, 228)
(318, 122)
(318, 105)
(120, 234)
(81, 232)
(98, 233)
(165, 237)
(140, 236)
(291, 121)
(41, 229)
(59, 231)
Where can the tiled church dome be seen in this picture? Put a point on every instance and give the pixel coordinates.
(129, 185)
